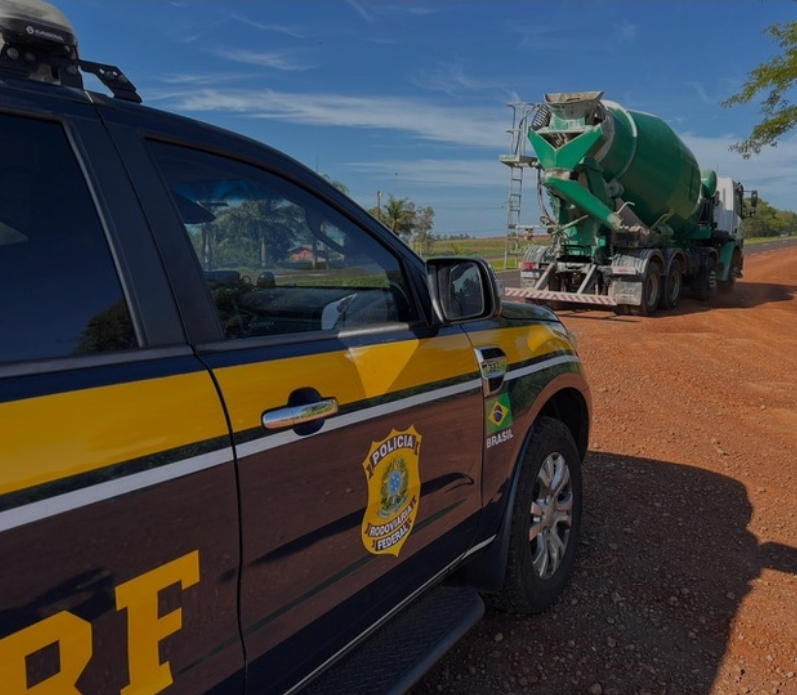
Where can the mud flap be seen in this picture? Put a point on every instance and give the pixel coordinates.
(626, 291)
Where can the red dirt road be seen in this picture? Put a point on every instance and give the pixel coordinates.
(687, 574)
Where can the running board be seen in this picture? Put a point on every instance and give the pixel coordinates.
(397, 656)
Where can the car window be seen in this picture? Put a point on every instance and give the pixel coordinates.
(61, 295)
(276, 258)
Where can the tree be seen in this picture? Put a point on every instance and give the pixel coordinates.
(775, 77)
(763, 223)
(342, 187)
(424, 222)
(787, 221)
(398, 215)
(769, 221)
(404, 219)
(262, 228)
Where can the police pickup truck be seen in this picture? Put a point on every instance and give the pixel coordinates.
(251, 443)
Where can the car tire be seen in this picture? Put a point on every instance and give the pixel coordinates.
(545, 522)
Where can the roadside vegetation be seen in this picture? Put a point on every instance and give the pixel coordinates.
(415, 224)
(771, 82)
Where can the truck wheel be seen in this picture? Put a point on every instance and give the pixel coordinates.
(651, 289)
(545, 522)
(735, 271)
(705, 281)
(555, 285)
(673, 284)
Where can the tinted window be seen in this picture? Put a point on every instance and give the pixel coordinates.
(276, 258)
(59, 291)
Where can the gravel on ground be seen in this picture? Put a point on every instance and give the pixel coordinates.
(686, 578)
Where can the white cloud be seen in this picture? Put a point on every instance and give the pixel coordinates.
(293, 32)
(277, 61)
(372, 11)
(628, 30)
(772, 172)
(188, 33)
(539, 37)
(700, 90)
(483, 172)
(425, 10)
(201, 80)
(473, 127)
(557, 40)
(360, 9)
(452, 79)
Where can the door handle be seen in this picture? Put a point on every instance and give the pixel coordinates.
(294, 415)
(493, 365)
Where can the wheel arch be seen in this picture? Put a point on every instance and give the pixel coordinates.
(657, 260)
(653, 256)
(673, 255)
(727, 255)
(486, 571)
(569, 406)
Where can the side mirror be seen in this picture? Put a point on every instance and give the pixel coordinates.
(753, 203)
(462, 289)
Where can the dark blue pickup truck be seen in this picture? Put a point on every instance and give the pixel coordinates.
(251, 443)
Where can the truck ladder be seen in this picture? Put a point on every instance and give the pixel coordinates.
(517, 161)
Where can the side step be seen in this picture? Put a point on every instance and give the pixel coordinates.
(399, 653)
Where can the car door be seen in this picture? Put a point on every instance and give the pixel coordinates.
(119, 533)
(357, 426)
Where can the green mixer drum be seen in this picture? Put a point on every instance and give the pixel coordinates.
(658, 172)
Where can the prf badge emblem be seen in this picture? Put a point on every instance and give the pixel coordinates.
(394, 486)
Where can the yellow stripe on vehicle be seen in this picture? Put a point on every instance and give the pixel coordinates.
(372, 371)
(525, 342)
(350, 376)
(56, 436)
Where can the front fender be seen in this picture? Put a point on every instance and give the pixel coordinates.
(486, 571)
(566, 398)
(725, 260)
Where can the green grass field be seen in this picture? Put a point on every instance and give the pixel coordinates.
(492, 249)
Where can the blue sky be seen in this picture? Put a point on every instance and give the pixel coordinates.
(410, 97)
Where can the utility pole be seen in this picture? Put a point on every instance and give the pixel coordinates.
(379, 205)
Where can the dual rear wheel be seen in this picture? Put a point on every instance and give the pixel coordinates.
(673, 284)
(660, 292)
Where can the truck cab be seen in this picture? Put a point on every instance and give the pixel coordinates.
(729, 206)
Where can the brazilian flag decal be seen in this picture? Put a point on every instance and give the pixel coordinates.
(499, 413)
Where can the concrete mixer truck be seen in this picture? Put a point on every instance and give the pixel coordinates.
(632, 219)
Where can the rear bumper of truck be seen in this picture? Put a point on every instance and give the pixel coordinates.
(569, 297)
